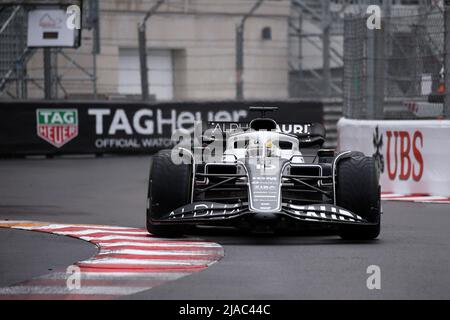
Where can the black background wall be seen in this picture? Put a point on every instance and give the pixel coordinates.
(79, 127)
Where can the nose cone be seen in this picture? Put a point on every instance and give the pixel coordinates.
(265, 217)
(264, 223)
(264, 184)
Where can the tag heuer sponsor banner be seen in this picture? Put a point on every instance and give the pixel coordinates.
(57, 126)
(86, 127)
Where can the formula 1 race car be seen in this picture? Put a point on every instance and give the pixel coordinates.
(266, 180)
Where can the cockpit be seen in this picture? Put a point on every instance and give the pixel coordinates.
(262, 144)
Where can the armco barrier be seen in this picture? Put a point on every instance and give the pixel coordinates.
(413, 156)
(65, 127)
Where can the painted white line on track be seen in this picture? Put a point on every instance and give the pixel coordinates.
(154, 253)
(119, 290)
(165, 276)
(98, 239)
(413, 198)
(421, 198)
(62, 226)
(91, 231)
(151, 262)
(157, 244)
(391, 195)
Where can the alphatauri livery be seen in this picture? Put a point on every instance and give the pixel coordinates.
(270, 177)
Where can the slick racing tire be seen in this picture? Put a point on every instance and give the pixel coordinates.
(358, 190)
(169, 188)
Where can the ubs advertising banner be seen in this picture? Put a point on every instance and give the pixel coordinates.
(412, 155)
(65, 127)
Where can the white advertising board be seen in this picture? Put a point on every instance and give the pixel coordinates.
(47, 28)
(414, 156)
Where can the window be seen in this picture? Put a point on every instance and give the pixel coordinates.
(160, 75)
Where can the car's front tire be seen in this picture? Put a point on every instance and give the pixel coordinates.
(358, 190)
(169, 188)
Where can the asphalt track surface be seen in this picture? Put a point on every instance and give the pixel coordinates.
(412, 252)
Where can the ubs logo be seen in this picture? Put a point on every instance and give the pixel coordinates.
(404, 156)
(403, 159)
(378, 145)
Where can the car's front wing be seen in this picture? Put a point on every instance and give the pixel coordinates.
(213, 212)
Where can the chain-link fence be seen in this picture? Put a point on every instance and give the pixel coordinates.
(355, 34)
(398, 71)
(13, 46)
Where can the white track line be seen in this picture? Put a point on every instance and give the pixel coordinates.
(153, 253)
(87, 226)
(94, 231)
(415, 198)
(144, 262)
(165, 276)
(106, 290)
(158, 244)
(390, 195)
(112, 237)
(427, 198)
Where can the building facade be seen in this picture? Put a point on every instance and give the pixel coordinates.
(191, 52)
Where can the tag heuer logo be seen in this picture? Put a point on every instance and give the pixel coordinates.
(57, 126)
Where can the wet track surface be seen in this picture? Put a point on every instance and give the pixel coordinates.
(412, 252)
(25, 255)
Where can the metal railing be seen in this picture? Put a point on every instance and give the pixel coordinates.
(13, 49)
(398, 71)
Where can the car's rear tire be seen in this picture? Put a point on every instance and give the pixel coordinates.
(358, 190)
(169, 188)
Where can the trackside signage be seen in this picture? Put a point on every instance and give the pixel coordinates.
(57, 126)
(146, 128)
(64, 127)
(411, 155)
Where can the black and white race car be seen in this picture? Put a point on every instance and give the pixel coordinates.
(265, 180)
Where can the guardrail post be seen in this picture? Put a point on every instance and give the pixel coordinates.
(143, 61)
(375, 74)
(48, 74)
(354, 82)
(447, 62)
